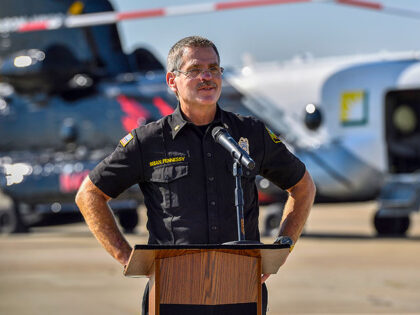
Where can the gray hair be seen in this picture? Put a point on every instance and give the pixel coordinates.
(174, 60)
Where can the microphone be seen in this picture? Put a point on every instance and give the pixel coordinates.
(221, 136)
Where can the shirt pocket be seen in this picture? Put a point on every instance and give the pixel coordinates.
(167, 178)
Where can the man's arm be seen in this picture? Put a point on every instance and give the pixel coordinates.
(296, 210)
(93, 204)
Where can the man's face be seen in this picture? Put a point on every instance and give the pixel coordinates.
(203, 90)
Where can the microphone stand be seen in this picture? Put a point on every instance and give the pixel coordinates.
(239, 205)
(239, 200)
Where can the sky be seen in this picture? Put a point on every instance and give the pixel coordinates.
(276, 32)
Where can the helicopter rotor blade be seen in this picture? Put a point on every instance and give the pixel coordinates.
(69, 21)
(380, 7)
(57, 21)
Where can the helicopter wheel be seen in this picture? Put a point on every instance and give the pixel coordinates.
(128, 219)
(391, 226)
(11, 220)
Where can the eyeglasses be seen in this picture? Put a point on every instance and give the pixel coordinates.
(193, 73)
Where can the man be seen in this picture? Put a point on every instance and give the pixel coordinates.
(185, 176)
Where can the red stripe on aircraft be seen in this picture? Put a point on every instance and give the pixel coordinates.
(163, 107)
(70, 183)
(252, 3)
(364, 4)
(33, 26)
(136, 114)
(140, 14)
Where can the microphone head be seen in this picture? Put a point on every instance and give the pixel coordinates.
(217, 131)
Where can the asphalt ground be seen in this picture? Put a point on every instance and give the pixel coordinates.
(338, 267)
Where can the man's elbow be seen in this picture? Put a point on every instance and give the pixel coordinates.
(305, 188)
(310, 187)
(79, 196)
(82, 192)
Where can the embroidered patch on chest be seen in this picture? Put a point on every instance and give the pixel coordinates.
(124, 141)
(244, 144)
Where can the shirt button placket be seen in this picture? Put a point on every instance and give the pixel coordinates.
(211, 192)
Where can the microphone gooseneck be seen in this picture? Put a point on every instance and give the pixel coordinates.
(221, 136)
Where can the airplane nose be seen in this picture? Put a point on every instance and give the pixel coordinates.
(313, 117)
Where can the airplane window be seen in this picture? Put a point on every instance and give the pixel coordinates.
(404, 119)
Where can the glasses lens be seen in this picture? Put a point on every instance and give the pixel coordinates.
(194, 73)
(214, 71)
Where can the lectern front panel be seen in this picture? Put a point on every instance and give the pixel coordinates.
(208, 278)
(205, 279)
(213, 282)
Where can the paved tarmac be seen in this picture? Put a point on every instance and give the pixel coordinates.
(338, 267)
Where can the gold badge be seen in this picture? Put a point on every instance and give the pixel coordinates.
(244, 144)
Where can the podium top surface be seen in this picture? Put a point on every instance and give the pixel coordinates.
(210, 246)
(143, 256)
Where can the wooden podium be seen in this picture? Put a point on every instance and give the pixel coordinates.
(205, 279)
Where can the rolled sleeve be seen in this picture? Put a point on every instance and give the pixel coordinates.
(120, 170)
(279, 165)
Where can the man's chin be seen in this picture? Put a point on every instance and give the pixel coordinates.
(207, 101)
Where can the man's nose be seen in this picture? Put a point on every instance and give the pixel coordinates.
(206, 74)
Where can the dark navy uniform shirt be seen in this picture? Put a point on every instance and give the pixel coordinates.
(186, 177)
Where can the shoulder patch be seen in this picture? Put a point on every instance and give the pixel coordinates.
(273, 136)
(124, 141)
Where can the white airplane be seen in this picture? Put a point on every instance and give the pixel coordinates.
(347, 118)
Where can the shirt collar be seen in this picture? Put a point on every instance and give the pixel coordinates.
(177, 121)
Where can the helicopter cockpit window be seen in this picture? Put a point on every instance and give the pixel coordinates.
(99, 47)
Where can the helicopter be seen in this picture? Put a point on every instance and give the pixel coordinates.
(64, 106)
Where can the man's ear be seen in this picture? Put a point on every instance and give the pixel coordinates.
(170, 81)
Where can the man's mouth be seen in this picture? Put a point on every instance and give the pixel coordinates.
(207, 86)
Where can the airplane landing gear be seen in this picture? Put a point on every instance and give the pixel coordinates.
(399, 197)
(128, 219)
(391, 226)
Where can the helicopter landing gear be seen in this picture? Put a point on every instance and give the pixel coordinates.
(128, 219)
(11, 220)
(391, 226)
